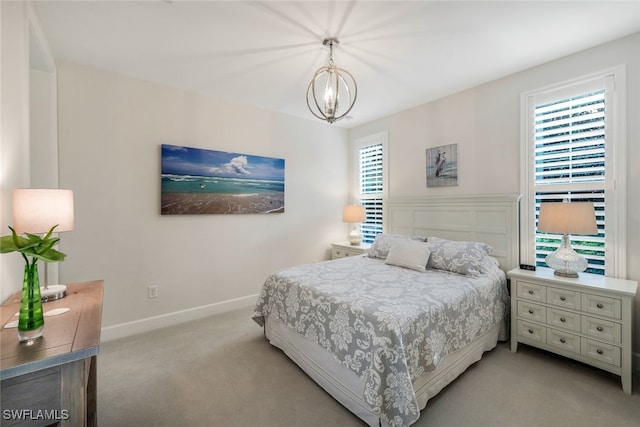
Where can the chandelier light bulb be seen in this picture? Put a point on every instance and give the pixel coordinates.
(330, 98)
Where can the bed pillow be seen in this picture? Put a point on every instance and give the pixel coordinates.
(384, 242)
(409, 254)
(468, 258)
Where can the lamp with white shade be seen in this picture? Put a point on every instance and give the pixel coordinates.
(354, 214)
(566, 219)
(35, 211)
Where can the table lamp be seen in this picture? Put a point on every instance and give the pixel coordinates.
(567, 218)
(35, 211)
(354, 214)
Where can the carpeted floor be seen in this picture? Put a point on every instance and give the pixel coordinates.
(221, 371)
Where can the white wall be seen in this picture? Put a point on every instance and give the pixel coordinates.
(43, 147)
(14, 128)
(485, 122)
(110, 131)
(28, 151)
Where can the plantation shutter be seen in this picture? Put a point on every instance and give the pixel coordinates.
(371, 188)
(570, 134)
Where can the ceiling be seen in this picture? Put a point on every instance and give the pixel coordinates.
(263, 54)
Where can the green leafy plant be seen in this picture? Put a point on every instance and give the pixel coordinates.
(32, 245)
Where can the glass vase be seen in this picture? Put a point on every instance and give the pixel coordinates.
(31, 318)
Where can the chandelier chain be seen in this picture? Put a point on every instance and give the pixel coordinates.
(331, 54)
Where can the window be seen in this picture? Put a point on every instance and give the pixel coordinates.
(571, 149)
(370, 182)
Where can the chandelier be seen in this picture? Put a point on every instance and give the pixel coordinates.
(332, 91)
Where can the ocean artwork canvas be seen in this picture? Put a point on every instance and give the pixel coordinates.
(442, 166)
(200, 181)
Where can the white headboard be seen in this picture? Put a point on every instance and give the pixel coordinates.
(492, 219)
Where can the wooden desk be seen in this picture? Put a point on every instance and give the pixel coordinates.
(53, 380)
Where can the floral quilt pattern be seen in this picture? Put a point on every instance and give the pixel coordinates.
(385, 323)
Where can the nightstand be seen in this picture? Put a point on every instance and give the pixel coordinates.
(57, 374)
(588, 319)
(345, 249)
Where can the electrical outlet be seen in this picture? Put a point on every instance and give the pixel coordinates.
(153, 291)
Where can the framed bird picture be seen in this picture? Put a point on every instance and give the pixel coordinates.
(442, 166)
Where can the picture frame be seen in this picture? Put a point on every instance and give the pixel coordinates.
(442, 166)
(201, 181)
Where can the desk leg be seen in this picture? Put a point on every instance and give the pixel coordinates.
(74, 392)
(92, 392)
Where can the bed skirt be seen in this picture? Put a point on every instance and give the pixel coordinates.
(348, 389)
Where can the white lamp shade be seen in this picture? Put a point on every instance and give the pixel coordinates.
(353, 213)
(567, 218)
(36, 210)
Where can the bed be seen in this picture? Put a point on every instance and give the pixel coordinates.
(385, 332)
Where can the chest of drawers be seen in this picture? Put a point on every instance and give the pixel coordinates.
(588, 319)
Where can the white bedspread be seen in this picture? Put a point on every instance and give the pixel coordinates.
(387, 324)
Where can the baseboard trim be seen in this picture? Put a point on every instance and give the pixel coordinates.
(135, 327)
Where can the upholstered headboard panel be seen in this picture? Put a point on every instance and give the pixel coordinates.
(492, 219)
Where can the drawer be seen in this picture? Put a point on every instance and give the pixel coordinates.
(600, 351)
(601, 329)
(602, 306)
(336, 253)
(532, 331)
(532, 311)
(341, 253)
(563, 319)
(564, 298)
(531, 291)
(563, 340)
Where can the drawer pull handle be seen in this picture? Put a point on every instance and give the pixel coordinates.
(530, 331)
(562, 340)
(599, 351)
(562, 319)
(530, 311)
(599, 305)
(563, 298)
(599, 328)
(530, 291)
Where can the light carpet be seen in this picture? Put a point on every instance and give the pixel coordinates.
(221, 371)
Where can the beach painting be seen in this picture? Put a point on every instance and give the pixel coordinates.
(198, 181)
(442, 166)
